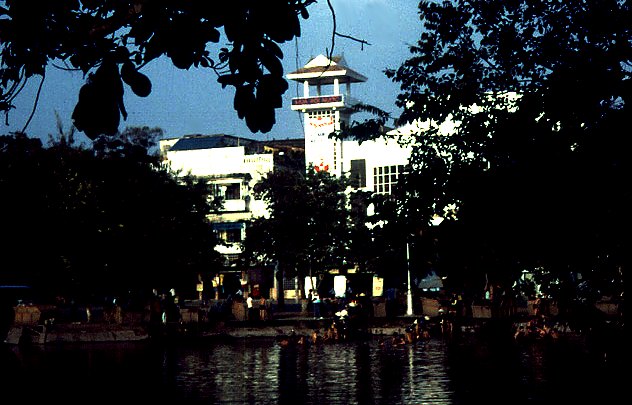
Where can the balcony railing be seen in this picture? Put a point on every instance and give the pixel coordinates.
(308, 103)
(317, 100)
(332, 101)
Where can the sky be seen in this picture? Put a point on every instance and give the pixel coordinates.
(185, 102)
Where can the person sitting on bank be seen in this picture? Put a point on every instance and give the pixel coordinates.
(251, 308)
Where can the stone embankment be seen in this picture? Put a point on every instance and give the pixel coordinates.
(299, 328)
(33, 325)
(74, 332)
(69, 333)
(126, 332)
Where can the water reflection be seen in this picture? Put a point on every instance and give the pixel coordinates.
(251, 371)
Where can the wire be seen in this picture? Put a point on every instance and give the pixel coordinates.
(296, 59)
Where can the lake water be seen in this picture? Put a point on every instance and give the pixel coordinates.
(259, 371)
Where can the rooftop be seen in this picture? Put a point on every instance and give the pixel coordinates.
(200, 142)
(323, 70)
(194, 142)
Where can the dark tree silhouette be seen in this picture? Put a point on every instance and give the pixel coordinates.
(534, 168)
(307, 231)
(101, 223)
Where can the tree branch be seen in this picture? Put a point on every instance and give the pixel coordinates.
(361, 41)
(39, 90)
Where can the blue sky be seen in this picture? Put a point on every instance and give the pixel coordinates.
(186, 102)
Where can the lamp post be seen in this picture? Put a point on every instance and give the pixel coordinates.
(409, 293)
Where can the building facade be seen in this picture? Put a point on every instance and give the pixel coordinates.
(327, 106)
(232, 165)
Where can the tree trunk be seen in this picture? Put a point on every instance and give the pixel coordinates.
(301, 287)
(280, 291)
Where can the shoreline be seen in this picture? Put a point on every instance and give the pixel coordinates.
(114, 332)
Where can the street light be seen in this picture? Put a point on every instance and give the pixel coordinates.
(409, 293)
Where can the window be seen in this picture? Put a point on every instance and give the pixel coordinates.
(217, 190)
(231, 260)
(385, 178)
(320, 113)
(233, 235)
(229, 232)
(358, 173)
(233, 191)
(289, 284)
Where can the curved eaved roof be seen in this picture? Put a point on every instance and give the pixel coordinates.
(323, 70)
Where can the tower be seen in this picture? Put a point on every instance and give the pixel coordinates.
(325, 108)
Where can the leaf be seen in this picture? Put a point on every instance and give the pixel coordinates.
(121, 54)
(252, 121)
(228, 79)
(283, 26)
(244, 100)
(95, 114)
(98, 110)
(272, 63)
(272, 47)
(128, 70)
(181, 57)
(266, 119)
(212, 34)
(270, 90)
(304, 13)
(141, 85)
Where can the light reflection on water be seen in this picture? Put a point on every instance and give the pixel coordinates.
(258, 371)
(346, 373)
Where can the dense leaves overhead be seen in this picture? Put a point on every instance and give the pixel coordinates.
(522, 107)
(574, 54)
(111, 40)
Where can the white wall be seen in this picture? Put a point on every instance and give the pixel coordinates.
(376, 153)
(208, 162)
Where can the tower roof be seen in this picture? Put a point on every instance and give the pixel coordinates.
(323, 70)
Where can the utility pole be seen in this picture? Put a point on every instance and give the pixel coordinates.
(409, 293)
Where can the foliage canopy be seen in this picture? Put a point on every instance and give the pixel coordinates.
(111, 40)
(533, 95)
(100, 222)
(307, 230)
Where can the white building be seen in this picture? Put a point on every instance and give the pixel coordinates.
(232, 166)
(327, 105)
